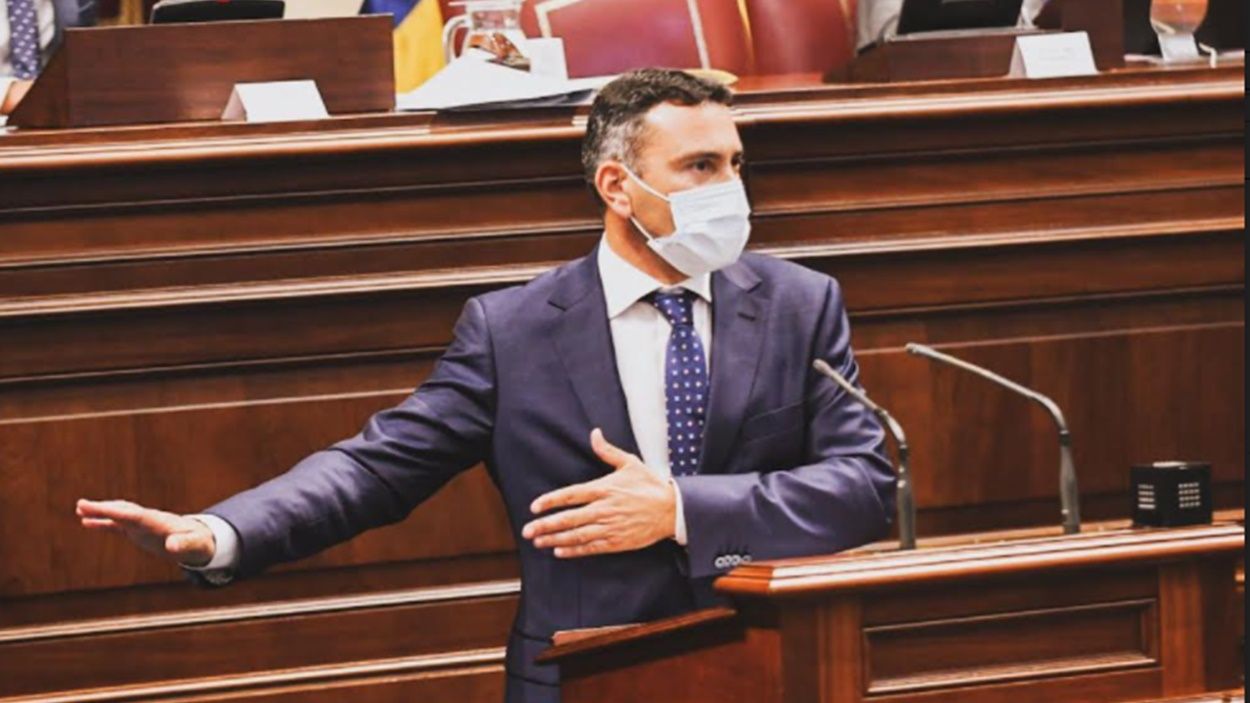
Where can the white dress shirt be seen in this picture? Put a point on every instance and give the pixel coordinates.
(639, 338)
(47, 31)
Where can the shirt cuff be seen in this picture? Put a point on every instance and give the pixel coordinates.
(226, 551)
(679, 529)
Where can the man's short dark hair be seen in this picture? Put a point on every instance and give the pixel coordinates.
(614, 129)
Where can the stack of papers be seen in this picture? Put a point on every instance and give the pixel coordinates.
(471, 82)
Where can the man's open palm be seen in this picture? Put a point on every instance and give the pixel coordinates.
(181, 539)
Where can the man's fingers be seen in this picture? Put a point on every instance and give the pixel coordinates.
(599, 546)
(159, 522)
(111, 509)
(573, 537)
(577, 494)
(582, 493)
(567, 520)
(131, 515)
(187, 540)
(609, 453)
(124, 511)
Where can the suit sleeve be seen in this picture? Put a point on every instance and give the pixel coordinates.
(88, 13)
(841, 497)
(401, 457)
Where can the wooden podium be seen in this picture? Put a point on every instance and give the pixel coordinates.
(185, 72)
(1107, 615)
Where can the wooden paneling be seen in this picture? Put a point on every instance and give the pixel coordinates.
(188, 310)
(1014, 646)
(138, 652)
(1112, 614)
(749, 668)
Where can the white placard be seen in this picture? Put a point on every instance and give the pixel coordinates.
(276, 101)
(1052, 55)
(1178, 47)
(317, 9)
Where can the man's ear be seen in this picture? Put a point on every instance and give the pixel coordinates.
(610, 180)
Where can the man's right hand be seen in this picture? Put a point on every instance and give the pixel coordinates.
(14, 95)
(182, 539)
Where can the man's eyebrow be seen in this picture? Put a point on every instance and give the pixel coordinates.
(707, 154)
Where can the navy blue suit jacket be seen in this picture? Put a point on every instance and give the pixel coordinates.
(790, 466)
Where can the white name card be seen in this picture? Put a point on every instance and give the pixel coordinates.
(1053, 55)
(1178, 47)
(276, 101)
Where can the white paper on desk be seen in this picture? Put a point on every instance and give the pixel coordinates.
(546, 57)
(275, 101)
(471, 81)
(316, 9)
(1052, 55)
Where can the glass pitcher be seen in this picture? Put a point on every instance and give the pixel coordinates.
(492, 25)
(1175, 22)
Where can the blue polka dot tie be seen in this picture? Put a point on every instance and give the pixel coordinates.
(685, 381)
(23, 38)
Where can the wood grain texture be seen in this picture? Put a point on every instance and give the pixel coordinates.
(189, 309)
(979, 555)
(132, 75)
(1018, 646)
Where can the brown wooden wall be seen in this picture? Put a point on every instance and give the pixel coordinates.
(185, 311)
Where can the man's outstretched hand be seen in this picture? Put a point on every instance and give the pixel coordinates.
(182, 539)
(630, 508)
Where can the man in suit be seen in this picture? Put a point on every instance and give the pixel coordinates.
(29, 31)
(648, 412)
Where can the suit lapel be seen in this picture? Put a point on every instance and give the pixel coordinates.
(739, 314)
(583, 340)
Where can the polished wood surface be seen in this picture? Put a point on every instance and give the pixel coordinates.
(189, 309)
(1114, 615)
(182, 72)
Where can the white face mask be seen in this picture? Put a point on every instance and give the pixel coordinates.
(712, 226)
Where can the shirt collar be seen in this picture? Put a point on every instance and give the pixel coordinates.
(624, 284)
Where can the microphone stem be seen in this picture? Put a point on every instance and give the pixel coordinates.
(905, 500)
(1069, 496)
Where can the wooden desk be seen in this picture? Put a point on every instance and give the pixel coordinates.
(188, 310)
(1112, 614)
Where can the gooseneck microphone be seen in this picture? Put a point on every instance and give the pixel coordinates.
(906, 504)
(1069, 497)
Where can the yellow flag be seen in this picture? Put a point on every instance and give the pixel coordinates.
(418, 45)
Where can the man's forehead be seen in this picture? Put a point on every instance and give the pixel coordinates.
(671, 128)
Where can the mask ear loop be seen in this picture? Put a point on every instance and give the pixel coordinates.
(645, 186)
